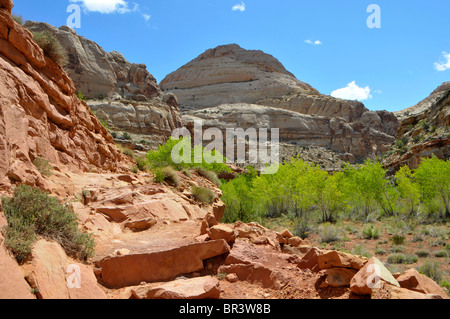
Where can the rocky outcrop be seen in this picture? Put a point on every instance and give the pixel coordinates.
(40, 115)
(223, 86)
(352, 141)
(154, 119)
(424, 131)
(426, 104)
(96, 72)
(123, 94)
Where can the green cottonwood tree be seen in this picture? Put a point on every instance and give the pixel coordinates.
(408, 189)
(433, 177)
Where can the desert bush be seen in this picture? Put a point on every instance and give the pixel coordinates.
(399, 143)
(167, 174)
(303, 227)
(418, 237)
(134, 169)
(81, 97)
(370, 232)
(402, 259)
(142, 164)
(360, 250)
(128, 152)
(398, 239)
(396, 249)
(431, 269)
(422, 253)
(329, 233)
(51, 47)
(126, 136)
(43, 166)
(434, 231)
(18, 19)
(380, 252)
(411, 259)
(209, 175)
(203, 195)
(396, 259)
(31, 213)
(441, 254)
(187, 172)
(425, 125)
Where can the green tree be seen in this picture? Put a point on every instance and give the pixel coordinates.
(433, 177)
(325, 192)
(367, 188)
(408, 189)
(239, 198)
(284, 191)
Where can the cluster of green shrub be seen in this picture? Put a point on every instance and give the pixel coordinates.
(300, 189)
(31, 213)
(165, 156)
(164, 164)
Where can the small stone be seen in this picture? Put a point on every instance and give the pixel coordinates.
(232, 278)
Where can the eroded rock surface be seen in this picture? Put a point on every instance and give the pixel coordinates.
(124, 95)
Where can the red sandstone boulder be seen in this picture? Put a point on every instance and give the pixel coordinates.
(54, 276)
(186, 289)
(413, 280)
(222, 232)
(371, 276)
(338, 277)
(131, 270)
(387, 291)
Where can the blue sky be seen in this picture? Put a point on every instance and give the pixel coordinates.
(325, 43)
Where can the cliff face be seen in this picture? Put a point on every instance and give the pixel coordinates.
(350, 141)
(424, 130)
(123, 94)
(96, 72)
(227, 83)
(40, 115)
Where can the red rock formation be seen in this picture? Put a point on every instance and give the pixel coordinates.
(426, 129)
(40, 115)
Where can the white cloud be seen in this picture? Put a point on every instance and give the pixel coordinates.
(107, 6)
(445, 65)
(353, 92)
(146, 17)
(239, 7)
(317, 42)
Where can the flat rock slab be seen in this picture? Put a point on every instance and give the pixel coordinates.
(133, 269)
(182, 289)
